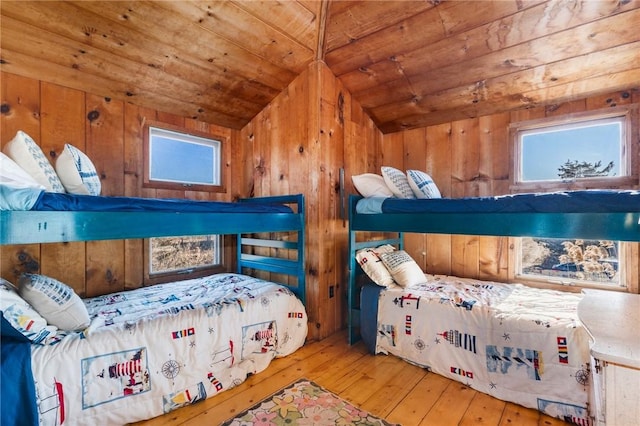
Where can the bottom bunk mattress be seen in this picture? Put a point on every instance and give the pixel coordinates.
(516, 343)
(155, 349)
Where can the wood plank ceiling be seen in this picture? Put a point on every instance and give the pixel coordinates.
(409, 63)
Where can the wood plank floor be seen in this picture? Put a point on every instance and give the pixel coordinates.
(383, 385)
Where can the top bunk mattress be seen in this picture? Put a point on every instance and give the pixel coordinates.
(39, 200)
(587, 201)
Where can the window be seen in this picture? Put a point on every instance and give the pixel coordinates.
(180, 159)
(193, 255)
(177, 159)
(574, 262)
(581, 151)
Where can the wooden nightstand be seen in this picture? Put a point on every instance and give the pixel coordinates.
(613, 322)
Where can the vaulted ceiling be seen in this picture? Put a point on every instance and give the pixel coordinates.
(408, 63)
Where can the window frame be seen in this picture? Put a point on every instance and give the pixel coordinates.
(181, 274)
(628, 152)
(624, 267)
(147, 182)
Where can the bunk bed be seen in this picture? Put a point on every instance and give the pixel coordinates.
(151, 350)
(516, 343)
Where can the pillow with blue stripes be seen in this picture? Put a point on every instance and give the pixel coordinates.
(397, 182)
(77, 172)
(55, 301)
(422, 184)
(26, 153)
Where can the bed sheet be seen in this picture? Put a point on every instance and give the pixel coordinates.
(516, 343)
(155, 349)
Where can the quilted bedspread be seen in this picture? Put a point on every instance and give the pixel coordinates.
(516, 343)
(155, 349)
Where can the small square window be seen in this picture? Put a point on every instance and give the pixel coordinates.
(172, 254)
(573, 151)
(176, 159)
(588, 150)
(573, 262)
(182, 257)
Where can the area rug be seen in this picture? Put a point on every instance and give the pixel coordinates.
(305, 403)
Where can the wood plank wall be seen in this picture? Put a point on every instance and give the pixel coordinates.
(471, 158)
(298, 145)
(112, 137)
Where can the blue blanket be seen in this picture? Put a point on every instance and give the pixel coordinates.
(588, 201)
(50, 201)
(18, 402)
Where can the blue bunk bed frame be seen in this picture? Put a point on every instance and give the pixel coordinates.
(33, 227)
(610, 226)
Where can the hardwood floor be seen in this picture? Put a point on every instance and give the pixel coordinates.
(383, 385)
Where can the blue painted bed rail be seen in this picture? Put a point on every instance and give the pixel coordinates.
(34, 227)
(286, 251)
(622, 226)
(25, 227)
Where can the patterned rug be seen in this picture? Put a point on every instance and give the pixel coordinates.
(305, 403)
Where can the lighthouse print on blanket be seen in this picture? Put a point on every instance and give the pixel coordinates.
(155, 349)
(516, 343)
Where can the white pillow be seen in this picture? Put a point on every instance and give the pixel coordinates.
(422, 185)
(77, 172)
(404, 270)
(28, 155)
(14, 176)
(397, 182)
(55, 301)
(22, 316)
(371, 185)
(370, 262)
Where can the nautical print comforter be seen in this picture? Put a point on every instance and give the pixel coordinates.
(155, 349)
(513, 342)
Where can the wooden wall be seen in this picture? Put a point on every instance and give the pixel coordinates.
(298, 145)
(471, 158)
(112, 137)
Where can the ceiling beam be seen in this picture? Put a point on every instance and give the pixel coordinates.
(322, 27)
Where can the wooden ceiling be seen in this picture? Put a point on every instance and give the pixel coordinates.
(409, 63)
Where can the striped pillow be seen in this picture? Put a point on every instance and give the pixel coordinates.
(27, 154)
(77, 172)
(422, 185)
(397, 182)
(55, 301)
